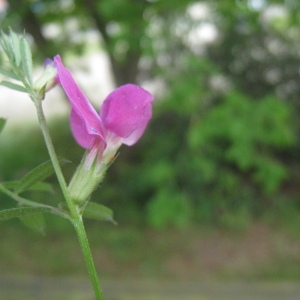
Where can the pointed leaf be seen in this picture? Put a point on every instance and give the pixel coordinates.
(15, 42)
(39, 186)
(8, 74)
(35, 222)
(6, 45)
(13, 86)
(10, 184)
(3, 39)
(20, 212)
(42, 187)
(38, 174)
(2, 124)
(98, 212)
(26, 59)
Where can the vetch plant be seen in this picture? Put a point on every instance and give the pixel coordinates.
(122, 119)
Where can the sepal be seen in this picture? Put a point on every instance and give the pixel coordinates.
(86, 178)
(98, 212)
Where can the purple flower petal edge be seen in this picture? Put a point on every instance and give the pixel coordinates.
(85, 122)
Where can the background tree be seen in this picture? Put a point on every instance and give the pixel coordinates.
(225, 137)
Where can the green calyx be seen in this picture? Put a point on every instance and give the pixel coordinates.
(85, 180)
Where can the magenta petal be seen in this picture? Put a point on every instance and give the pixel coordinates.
(82, 137)
(84, 118)
(136, 134)
(126, 112)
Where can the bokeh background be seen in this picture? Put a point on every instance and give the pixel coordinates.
(211, 191)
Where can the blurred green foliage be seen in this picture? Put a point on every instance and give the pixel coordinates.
(223, 146)
(242, 135)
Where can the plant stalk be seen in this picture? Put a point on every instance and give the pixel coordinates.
(75, 214)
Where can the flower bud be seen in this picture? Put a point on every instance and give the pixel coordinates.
(46, 81)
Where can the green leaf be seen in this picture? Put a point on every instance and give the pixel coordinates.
(98, 212)
(3, 39)
(8, 74)
(15, 42)
(21, 212)
(42, 186)
(13, 86)
(2, 124)
(38, 174)
(26, 59)
(35, 222)
(6, 45)
(39, 186)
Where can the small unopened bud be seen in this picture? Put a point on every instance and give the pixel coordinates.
(47, 80)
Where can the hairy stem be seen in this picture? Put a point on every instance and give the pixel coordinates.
(75, 214)
(25, 201)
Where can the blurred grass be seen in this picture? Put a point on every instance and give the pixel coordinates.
(235, 246)
(130, 251)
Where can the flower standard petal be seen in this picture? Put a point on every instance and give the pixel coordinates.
(84, 118)
(136, 134)
(126, 112)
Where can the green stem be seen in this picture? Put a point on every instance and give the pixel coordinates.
(75, 214)
(25, 201)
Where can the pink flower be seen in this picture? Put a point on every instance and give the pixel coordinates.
(123, 117)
